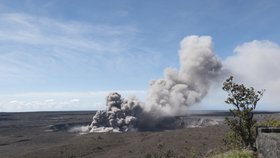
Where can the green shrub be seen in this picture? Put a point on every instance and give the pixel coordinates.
(235, 154)
(271, 122)
(232, 141)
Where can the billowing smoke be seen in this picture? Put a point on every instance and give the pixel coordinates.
(170, 96)
(199, 67)
(121, 115)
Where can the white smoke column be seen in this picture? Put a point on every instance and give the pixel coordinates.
(170, 96)
(179, 89)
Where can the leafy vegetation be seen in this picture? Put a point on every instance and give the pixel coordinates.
(244, 101)
(232, 141)
(270, 122)
(235, 154)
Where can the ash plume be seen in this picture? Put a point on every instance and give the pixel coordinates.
(170, 96)
(179, 89)
(121, 115)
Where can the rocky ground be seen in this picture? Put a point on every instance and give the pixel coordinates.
(46, 135)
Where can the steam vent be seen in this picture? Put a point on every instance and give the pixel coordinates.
(268, 141)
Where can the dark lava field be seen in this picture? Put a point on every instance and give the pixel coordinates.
(51, 135)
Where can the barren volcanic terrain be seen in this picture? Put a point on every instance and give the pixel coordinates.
(51, 135)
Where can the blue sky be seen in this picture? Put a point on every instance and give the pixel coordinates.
(71, 53)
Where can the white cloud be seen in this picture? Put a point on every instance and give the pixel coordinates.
(35, 47)
(49, 100)
(75, 100)
(80, 36)
(13, 101)
(39, 49)
(59, 101)
(257, 64)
